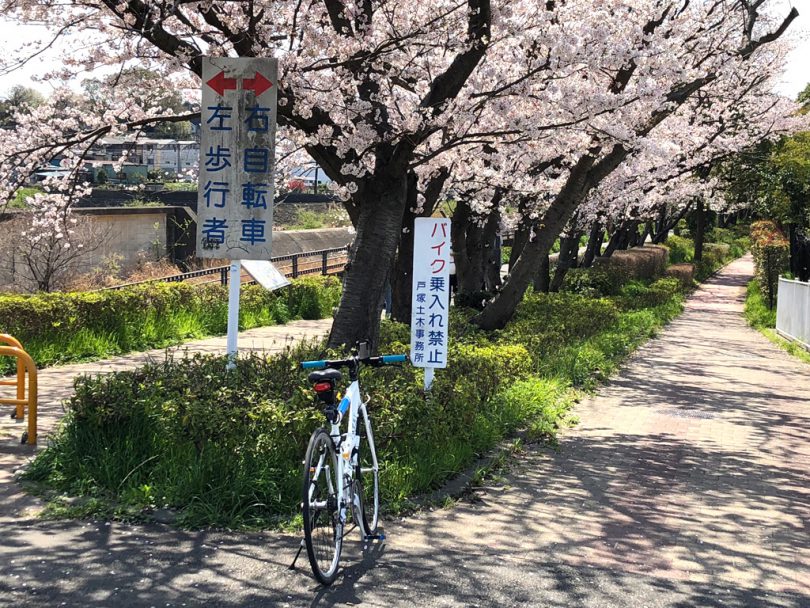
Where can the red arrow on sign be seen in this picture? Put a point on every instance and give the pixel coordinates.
(221, 84)
(259, 84)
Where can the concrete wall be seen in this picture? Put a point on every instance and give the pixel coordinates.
(287, 242)
(120, 237)
(123, 236)
(131, 236)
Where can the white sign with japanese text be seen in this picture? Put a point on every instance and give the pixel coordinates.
(238, 125)
(266, 274)
(431, 292)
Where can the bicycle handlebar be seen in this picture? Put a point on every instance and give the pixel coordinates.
(373, 361)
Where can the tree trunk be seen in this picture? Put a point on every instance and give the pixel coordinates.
(379, 227)
(401, 278)
(594, 247)
(498, 312)
(542, 280)
(492, 251)
(521, 236)
(402, 274)
(467, 242)
(616, 240)
(700, 228)
(569, 252)
(664, 227)
(478, 259)
(648, 228)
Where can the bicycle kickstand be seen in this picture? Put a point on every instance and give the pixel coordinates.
(295, 559)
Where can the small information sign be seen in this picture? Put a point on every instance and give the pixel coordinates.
(431, 292)
(238, 124)
(266, 274)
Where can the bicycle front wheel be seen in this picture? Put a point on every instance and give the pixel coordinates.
(367, 482)
(323, 530)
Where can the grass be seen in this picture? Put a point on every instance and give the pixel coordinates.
(763, 319)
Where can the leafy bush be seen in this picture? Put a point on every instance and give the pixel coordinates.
(737, 240)
(636, 295)
(685, 273)
(506, 251)
(648, 262)
(757, 313)
(681, 249)
(771, 256)
(225, 448)
(59, 327)
(592, 282)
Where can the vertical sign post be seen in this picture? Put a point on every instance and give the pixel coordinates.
(431, 295)
(235, 194)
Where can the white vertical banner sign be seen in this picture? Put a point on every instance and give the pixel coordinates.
(235, 194)
(430, 302)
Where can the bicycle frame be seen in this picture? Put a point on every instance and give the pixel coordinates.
(348, 448)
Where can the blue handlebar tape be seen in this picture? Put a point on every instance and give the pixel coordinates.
(311, 364)
(394, 358)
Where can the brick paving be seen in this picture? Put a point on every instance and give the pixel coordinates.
(686, 485)
(692, 465)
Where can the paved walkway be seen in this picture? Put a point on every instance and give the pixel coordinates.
(56, 384)
(686, 485)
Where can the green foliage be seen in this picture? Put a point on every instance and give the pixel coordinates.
(681, 249)
(736, 238)
(762, 318)
(771, 255)
(20, 196)
(506, 251)
(308, 220)
(180, 186)
(757, 313)
(225, 448)
(61, 327)
(591, 282)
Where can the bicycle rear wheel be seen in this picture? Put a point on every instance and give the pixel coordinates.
(367, 482)
(323, 531)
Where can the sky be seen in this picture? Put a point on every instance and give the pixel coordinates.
(795, 79)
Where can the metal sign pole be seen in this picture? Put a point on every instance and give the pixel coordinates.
(429, 372)
(234, 286)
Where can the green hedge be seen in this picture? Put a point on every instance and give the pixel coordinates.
(225, 449)
(60, 327)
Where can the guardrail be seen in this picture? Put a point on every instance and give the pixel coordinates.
(323, 261)
(25, 365)
(793, 311)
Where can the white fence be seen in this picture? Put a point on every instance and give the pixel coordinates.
(793, 311)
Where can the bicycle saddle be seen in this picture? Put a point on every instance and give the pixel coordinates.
(326, 374)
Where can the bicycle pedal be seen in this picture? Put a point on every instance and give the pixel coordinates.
(375, 536)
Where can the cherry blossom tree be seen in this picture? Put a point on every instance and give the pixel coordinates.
(362, 85)
(512, 104)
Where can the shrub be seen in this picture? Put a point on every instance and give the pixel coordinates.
(225, 448)
(58, 327)
(648, 262)
(506, 251)
(685, 273)
(771, 256)
(592, 282)
(636, 294)
(681, 249)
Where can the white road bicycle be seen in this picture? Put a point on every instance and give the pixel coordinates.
(341, 481)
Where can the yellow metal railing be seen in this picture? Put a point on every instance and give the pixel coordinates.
(25, 364)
